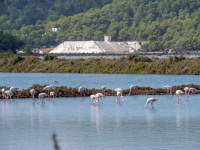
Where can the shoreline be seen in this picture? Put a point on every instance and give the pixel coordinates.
(73, 92)
(131, 64)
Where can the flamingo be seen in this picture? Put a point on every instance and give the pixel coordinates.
(8, 94)
(48, 88)
(150, 100)
(3, 93)
(33, 93)
(98, 97)
(131, 89)
(186, 89)
(178, 93)
(52, 94)
(81, 90)
(93, 99)
(103, 88)
(14, 90)
(168, 88)
(42, 96)
(119, 95)
(192, 90)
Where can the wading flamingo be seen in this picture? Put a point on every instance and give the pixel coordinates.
(3, 93)
(150, 100)
(178, 93)
(81, 90)
(48, 88)
(119, 92)
(52, 94)
(193, 90)
(15, 90)
(99, 98)
(33, 93)
(8, 94)
(132, 89)
(42, 96)
(186, 89)
(168, 89)
(103, 88)
(93, 99)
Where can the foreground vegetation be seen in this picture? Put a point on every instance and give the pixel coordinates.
(131, 64)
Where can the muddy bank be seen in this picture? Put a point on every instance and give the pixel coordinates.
(73, 92)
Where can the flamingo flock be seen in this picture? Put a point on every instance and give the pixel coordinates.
(187, 92)
(8, 94)
(97, 98)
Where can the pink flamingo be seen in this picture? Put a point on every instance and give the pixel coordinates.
(93, 99)
(168, 89)
(99, 97)
(42, 96)
(151, 101)
(33, 93)
(119, 95)
(186, 89)
(193, 90)
(48, 88)
(178, 93)
(131, 89)
(15, 90)
(8, 94)
(103, 88)
(81, 90)
(3, 93)
(52, 94)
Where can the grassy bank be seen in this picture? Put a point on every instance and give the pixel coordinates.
(131, 64)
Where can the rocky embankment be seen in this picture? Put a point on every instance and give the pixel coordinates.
(73, 92)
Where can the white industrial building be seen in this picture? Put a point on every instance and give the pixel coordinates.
(97, 47)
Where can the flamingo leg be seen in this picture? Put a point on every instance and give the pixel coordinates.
(130, 92)
(178, 99)
(152, 106)
(146, 105)
(188, 97)
(118, 99)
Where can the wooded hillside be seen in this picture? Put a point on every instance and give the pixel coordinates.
(164, 23)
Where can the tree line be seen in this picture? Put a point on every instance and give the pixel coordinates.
(166, 24)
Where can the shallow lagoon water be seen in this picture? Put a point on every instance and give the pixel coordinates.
(80, 126)
(25, 125)
(25, 80)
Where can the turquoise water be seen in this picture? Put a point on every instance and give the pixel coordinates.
(80, 126)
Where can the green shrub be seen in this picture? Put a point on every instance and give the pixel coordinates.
(50, 57)
(17, 59)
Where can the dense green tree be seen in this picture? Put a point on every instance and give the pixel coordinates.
(8, 42)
